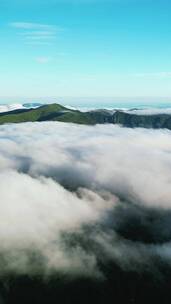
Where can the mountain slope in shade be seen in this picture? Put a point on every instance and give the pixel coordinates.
(57, 112)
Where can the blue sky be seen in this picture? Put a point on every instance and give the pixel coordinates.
(111, 48)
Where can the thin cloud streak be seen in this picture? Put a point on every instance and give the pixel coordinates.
(32, 26)
(36, 32)
(153, 75)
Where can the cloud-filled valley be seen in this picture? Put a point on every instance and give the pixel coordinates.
(83, 201)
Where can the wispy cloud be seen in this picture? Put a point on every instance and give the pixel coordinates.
(153, 75)
(40, 37)
(145, 75)
(36, 33)
(31, 26)
(38, 43)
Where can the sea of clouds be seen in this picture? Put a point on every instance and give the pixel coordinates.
(73, 198)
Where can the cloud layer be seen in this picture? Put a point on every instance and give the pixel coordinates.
(76, 198)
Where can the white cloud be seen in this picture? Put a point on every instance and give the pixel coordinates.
(150, 111)
(43, 59)
(62, 177)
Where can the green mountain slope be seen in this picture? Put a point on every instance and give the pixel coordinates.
(38, 114)
(56, 112)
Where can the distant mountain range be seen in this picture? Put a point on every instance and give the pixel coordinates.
(57, 112)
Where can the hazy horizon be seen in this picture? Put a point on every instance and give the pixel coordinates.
(89, 100)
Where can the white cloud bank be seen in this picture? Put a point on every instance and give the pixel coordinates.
(10, 107)
(16, 106)
(57, 180)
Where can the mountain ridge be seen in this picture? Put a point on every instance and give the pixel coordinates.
(57, 112)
